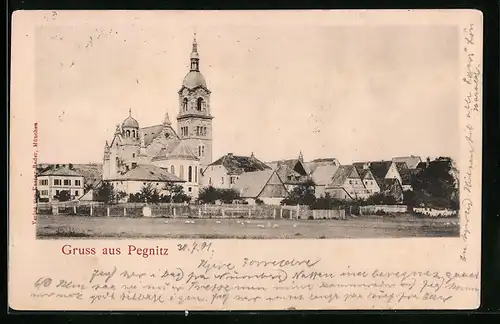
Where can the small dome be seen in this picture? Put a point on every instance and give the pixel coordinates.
(130, 122)
(194, 79)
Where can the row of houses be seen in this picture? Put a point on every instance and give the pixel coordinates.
(254, 179)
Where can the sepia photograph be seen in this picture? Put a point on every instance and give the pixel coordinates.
(245, 160)
(247, 132)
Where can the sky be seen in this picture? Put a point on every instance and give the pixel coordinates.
(353, 92)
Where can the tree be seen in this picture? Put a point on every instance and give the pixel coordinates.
(105, 193)
(435, 185)
(302, 194)
(381, 199)
(208, 195)
(228, 195)
(149, 193)
(63, 195)
(119, 196)
(175, 193)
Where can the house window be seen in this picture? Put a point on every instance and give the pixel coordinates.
(57, 182)
(67, 182)
(44, 193)
(181, 172)
(57, 192)
(133, 155)
(44, 182)
(76, 193)
(172, 169)
(190, 174)
(128, 133)
(134, 165)
(204, 131)
(185, 104)
(195, 174)
(190, 189)
(77, 182)
(232, 180)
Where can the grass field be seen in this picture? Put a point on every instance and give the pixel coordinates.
(58, 227)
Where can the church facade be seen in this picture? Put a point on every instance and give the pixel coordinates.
(159, 154)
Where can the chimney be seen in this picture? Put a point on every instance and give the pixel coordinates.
(252, 156)
(427, 162)
(230, 154)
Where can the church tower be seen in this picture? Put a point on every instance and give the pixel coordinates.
(194, 121)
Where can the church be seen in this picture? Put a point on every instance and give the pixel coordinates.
(159, 154)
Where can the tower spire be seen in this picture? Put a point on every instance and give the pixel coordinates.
(166, 121)
(195, 57)
(130, 112)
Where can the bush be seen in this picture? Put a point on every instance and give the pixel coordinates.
(64, 195)
(259, 201)
(210, 195)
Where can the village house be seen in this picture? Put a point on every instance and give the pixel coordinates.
(133, 181)
(225, 172)
(293, 172)
(265, 185)
(381, 170)
(52, 181)
(346, 184)
(392, 187)
(322, 176)
(369, 181)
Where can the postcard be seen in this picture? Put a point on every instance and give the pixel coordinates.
(245, 160)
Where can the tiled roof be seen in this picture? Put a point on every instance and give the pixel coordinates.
(251, 184)
(235, 164)
(323, 174)
(404, 172)
(343, 172)
(362, 172)
(312, 165)
(147, 172)
(150, 133)
(379, 169)
(411, 161)
(293, 168)
(182, 152)
(61, 171)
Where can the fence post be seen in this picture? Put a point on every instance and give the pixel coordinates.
(107, 211)
(199, 212)
(222, 209)
(314, 214)
(274, 213)
(91, 210)
(174, 212)
(249, 212)
(281, 213)
(124, 211)
(74, 209)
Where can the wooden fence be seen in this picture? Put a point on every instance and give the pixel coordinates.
(386, 209)
(188, 211)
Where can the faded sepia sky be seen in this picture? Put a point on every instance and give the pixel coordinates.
(350, 92)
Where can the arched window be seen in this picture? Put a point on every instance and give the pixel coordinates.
(127, 133)
(199, 104)
(181, 172)
(133, 133)
(133, 155)
(195, 174)
(172, 170)
(190, 174)
(117, 162)
(185, 104)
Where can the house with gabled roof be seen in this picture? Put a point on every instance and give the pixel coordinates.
(293, 172)
(346, 184)
(265, 185)
(322, 176)
(132, 181)
(225, 171)
(392, 187)
(369, 181)
(55, 179)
